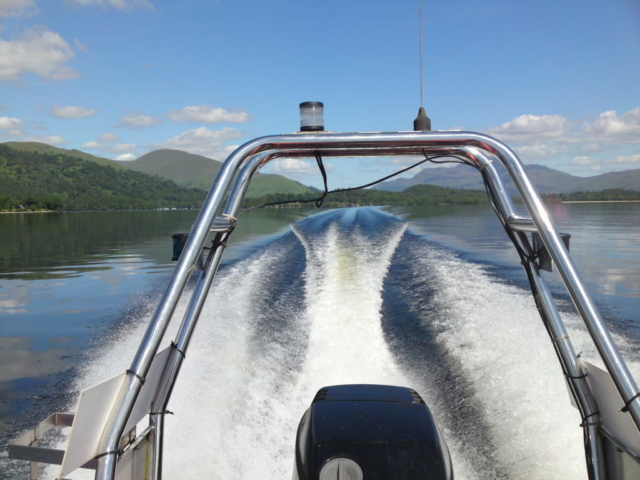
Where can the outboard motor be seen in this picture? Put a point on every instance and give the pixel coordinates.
(370, 432)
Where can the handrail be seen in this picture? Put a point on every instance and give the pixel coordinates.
(245, 161)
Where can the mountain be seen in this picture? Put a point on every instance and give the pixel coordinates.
(185, 169)
(546, 180)
(44, 148)
(196, 171)
(49, 180)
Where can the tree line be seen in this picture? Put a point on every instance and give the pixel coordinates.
(45, 181)
(415, 195)
(608, 195)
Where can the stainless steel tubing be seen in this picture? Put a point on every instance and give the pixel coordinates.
(155, 331)
(499, 193)
(597, 328)
(577, 383)
(181, 345)
(555, 326)
(352, 144)
(242, 182)
(521, 224)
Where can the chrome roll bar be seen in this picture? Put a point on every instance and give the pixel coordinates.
(474, 148)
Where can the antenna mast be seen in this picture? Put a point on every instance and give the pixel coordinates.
(421, 68)
(422, 122)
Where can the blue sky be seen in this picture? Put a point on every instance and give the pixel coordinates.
(557, 80)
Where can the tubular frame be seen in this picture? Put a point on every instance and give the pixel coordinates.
(474, 147)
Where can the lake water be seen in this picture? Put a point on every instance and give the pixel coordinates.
(438, 287)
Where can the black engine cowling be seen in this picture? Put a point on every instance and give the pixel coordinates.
(370, 432)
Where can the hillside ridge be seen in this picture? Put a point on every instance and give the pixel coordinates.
(185, 169)
(545, 179)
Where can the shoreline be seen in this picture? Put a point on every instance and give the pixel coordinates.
(296, 206)
(77, 211)
(601, 201)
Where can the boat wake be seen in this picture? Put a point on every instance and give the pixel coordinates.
(351, 296)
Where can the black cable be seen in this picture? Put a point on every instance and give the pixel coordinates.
(324, 179)
(426, 159)
(628, 402)
(318, 201)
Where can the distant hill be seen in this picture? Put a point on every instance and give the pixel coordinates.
(196, 171)
(185, 169)
(48, 180)
(546, 180)
(44, 148)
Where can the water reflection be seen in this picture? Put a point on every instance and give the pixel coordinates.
(605, 245)
(67, 277)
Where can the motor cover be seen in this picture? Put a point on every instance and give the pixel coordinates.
(372, 432)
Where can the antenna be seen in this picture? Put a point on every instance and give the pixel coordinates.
(421, 67)
(422, 122)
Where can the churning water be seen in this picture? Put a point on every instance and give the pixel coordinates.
(353, 296)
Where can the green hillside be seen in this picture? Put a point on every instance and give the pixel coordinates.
(186, 169)
(54, 181)
(196, 171)
(44, 148)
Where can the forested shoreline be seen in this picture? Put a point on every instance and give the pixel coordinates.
(416, 195)
(35, 181)
(608, 195)
(55, 182)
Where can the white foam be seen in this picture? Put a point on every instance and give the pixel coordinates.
(494, 331)
(238, 400)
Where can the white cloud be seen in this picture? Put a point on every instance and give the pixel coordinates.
(72, 112)
(7, 122)
(126, 157)
(294, 166)
(544, 137)
(17, 8)
(118, 4)
(207, 114)
(610, 127)
(522, 128)
(582, 160)
(91, 145)
(109, 148)
(607, 127)
(136, 119)
(108, 138)
(598, 164)
(541, 150)
(203, 141)
(43, 53)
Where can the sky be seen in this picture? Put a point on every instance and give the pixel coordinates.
(557, 80)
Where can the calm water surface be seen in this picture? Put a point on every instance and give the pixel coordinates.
(68, 279)
(605, 246)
